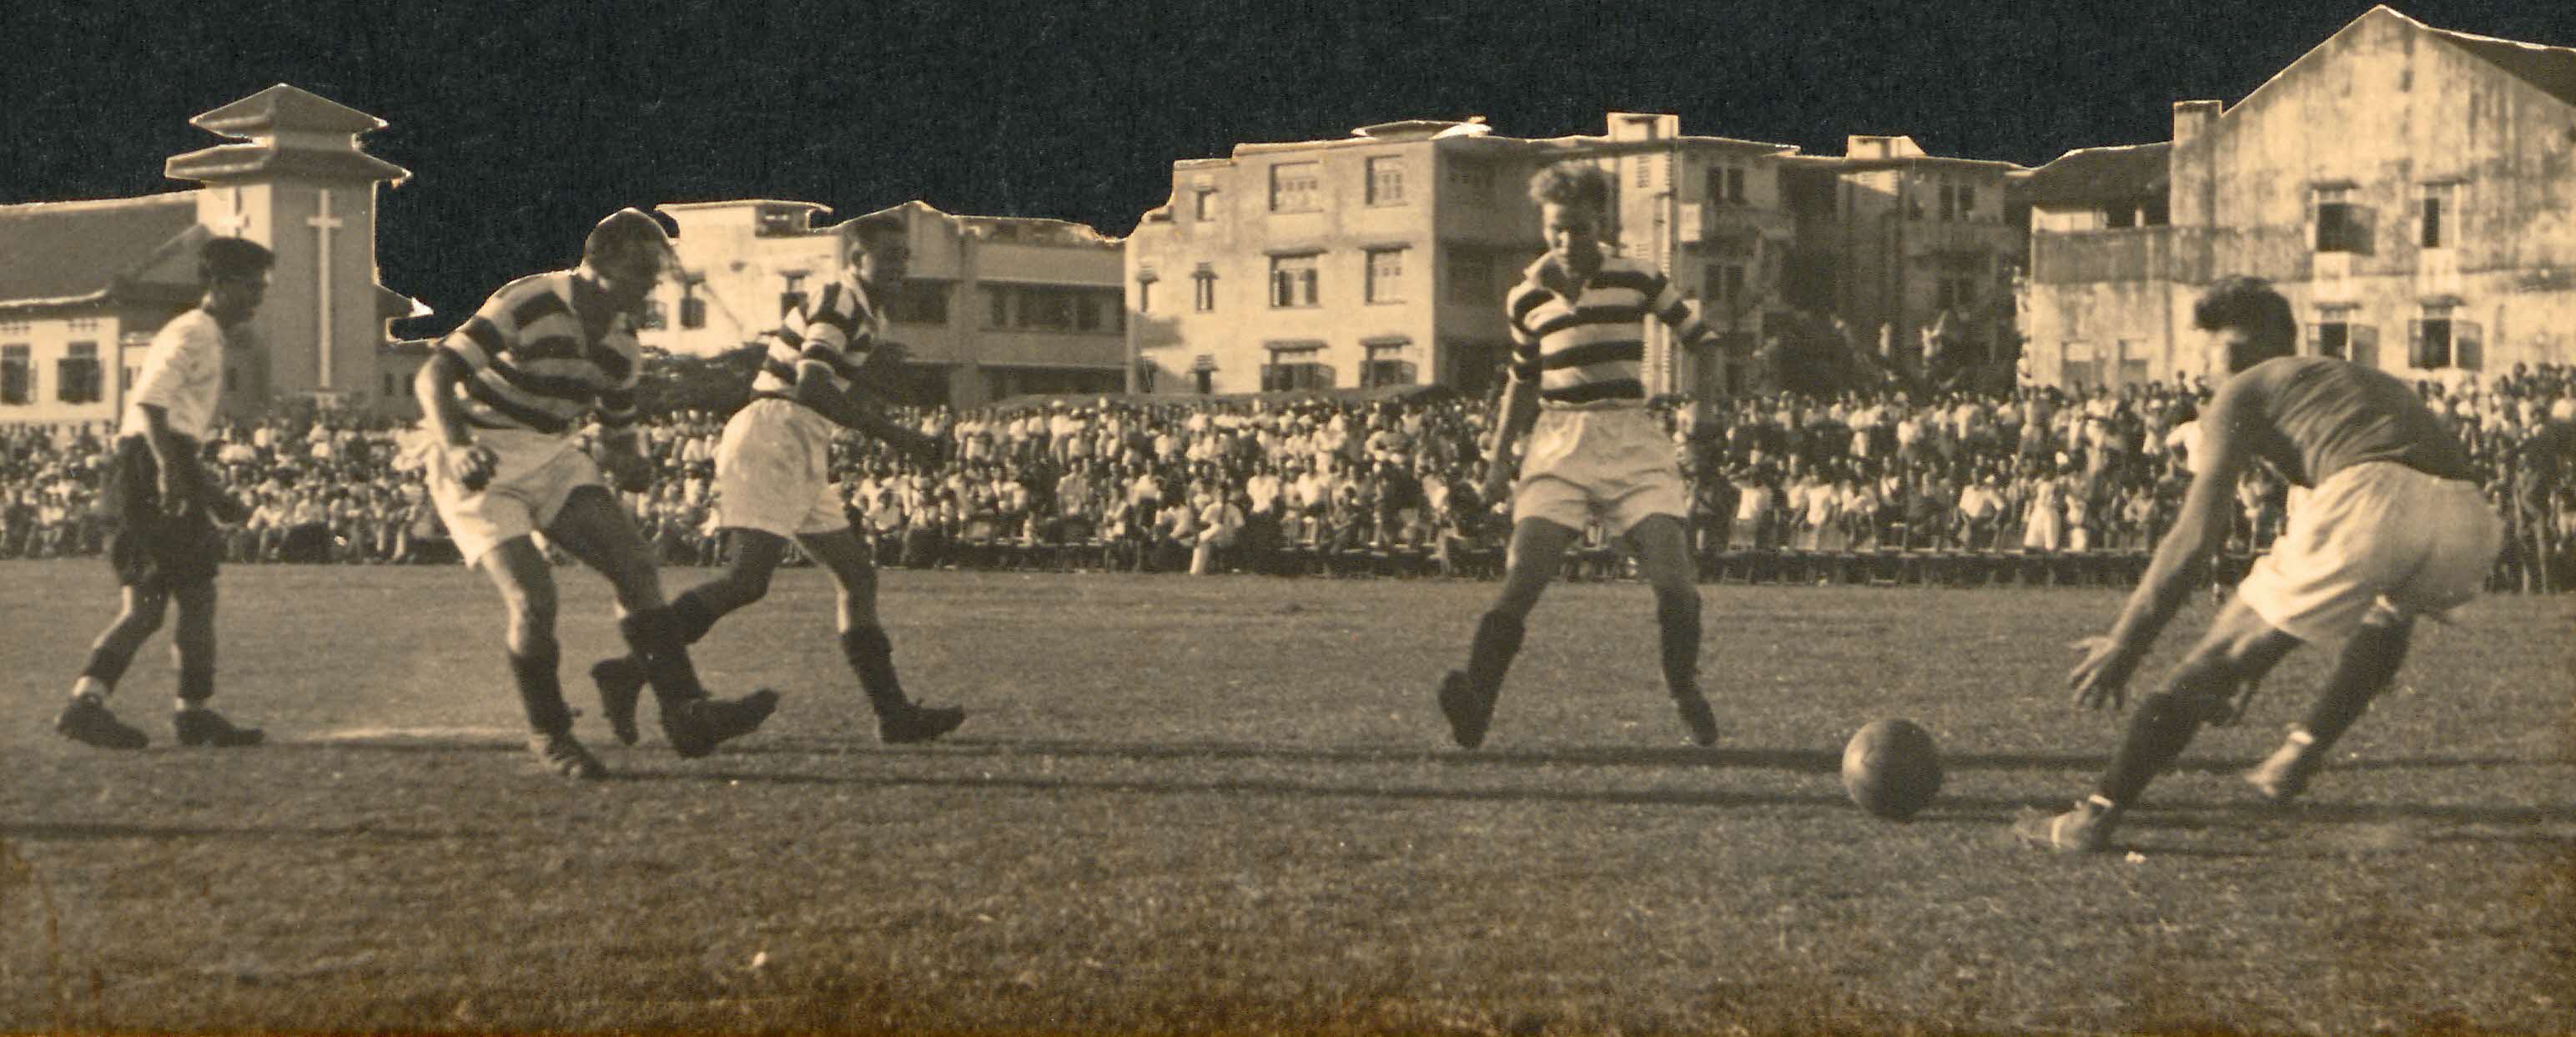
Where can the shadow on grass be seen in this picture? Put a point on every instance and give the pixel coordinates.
(42, 832)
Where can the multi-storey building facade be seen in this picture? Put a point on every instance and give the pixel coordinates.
(2406, 187)
(85, 285)
(991, 306)
(1382, 259)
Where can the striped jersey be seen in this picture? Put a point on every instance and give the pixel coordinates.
(1591, 349)
(835, 331)
(532, 367)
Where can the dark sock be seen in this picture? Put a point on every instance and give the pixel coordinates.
(1498, 639)
(196, 684)
(107, 664)
(541, 692)
(2367, 665)
(655, 639)
(2155, 738)
(1679, 618)
(692, 616)
(871, 656)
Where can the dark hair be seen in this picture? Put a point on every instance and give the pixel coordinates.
(223, 259)
(872, 227)
(623, 229)
(2248, 303)
(1571, 182)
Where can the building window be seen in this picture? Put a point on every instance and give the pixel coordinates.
(1293, 281)
(2338, 221)
(1145, 371)
(1386, 275)
(2133, 362)
(693, 312)
(17, 375)
(1955, 293)
(792, 298)
(1471, 277)
(1203, 291)
(2077, 369)
(1722, 285)
(919, 302)
(1386, 180)
(1297, 187)
(1086, 313)
(2430, 212)
(2331, 337)
(1967, 201)
(1045, 309)
(125, 381)
(1475, 183)
(1296, 368)
(1000, 315)
(389, 384)
(1144, 295)
(1203, 204)
(77, 373)
(1386, 365)
(2438, 340)
(655, 316)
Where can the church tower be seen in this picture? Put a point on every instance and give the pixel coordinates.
(299, 182)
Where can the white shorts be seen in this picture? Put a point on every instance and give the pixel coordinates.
(774, 472)
(1614, 463)
(536, 474)
(2378, 542)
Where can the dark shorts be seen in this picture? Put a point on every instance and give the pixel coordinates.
(149, 549)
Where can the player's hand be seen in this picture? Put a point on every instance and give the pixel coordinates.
(628, 471)
(2101, 678)
(471, 464)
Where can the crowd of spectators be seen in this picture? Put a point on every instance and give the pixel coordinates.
(1351, 485)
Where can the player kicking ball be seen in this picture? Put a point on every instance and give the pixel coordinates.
(774, 482)
(2391, 527)
(1577, 322)
(159, 497)
(500, 400)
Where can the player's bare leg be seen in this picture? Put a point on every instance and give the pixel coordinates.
(1663, 554)
(87, 719)
(865, 645)
(745, 580)
(519, 571)
(1467, 696)
(2366, 666)
(592, 528)
(192, 647)
(2239, 647)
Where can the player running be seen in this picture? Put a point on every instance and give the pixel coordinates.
(1576, 323)
(159, 497)
(500, 399)
(774, 481)
(2391, 527)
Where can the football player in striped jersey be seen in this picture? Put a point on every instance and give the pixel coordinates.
(500, 400)
(1578, 325)
(774, 481)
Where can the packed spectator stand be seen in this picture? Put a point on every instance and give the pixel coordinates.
(2039, 486)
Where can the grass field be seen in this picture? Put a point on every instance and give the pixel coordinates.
(1222, 804)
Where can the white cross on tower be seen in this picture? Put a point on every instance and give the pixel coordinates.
(323, 223)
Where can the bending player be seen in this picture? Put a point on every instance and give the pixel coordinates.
(1577, 329)
(2392, 527)
(774, 481)
(160, 497)
(500, 398)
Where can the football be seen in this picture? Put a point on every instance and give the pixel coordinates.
(1891, 769)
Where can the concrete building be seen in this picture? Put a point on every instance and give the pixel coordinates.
(84, 285)
(2406, 187)
(1382, 258)
(992, 306)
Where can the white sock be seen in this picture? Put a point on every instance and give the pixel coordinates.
(186, 706)
(91, 686)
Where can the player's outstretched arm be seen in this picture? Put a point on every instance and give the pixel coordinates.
(858, 411)
(2098, 680)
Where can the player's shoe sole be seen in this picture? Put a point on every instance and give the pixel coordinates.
(88, 722)
(621, 683)
(208, 728)
(565, 758)
(1468, 713)
(919, 724)
(697, 728)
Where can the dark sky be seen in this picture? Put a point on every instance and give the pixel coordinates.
(522, 127)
